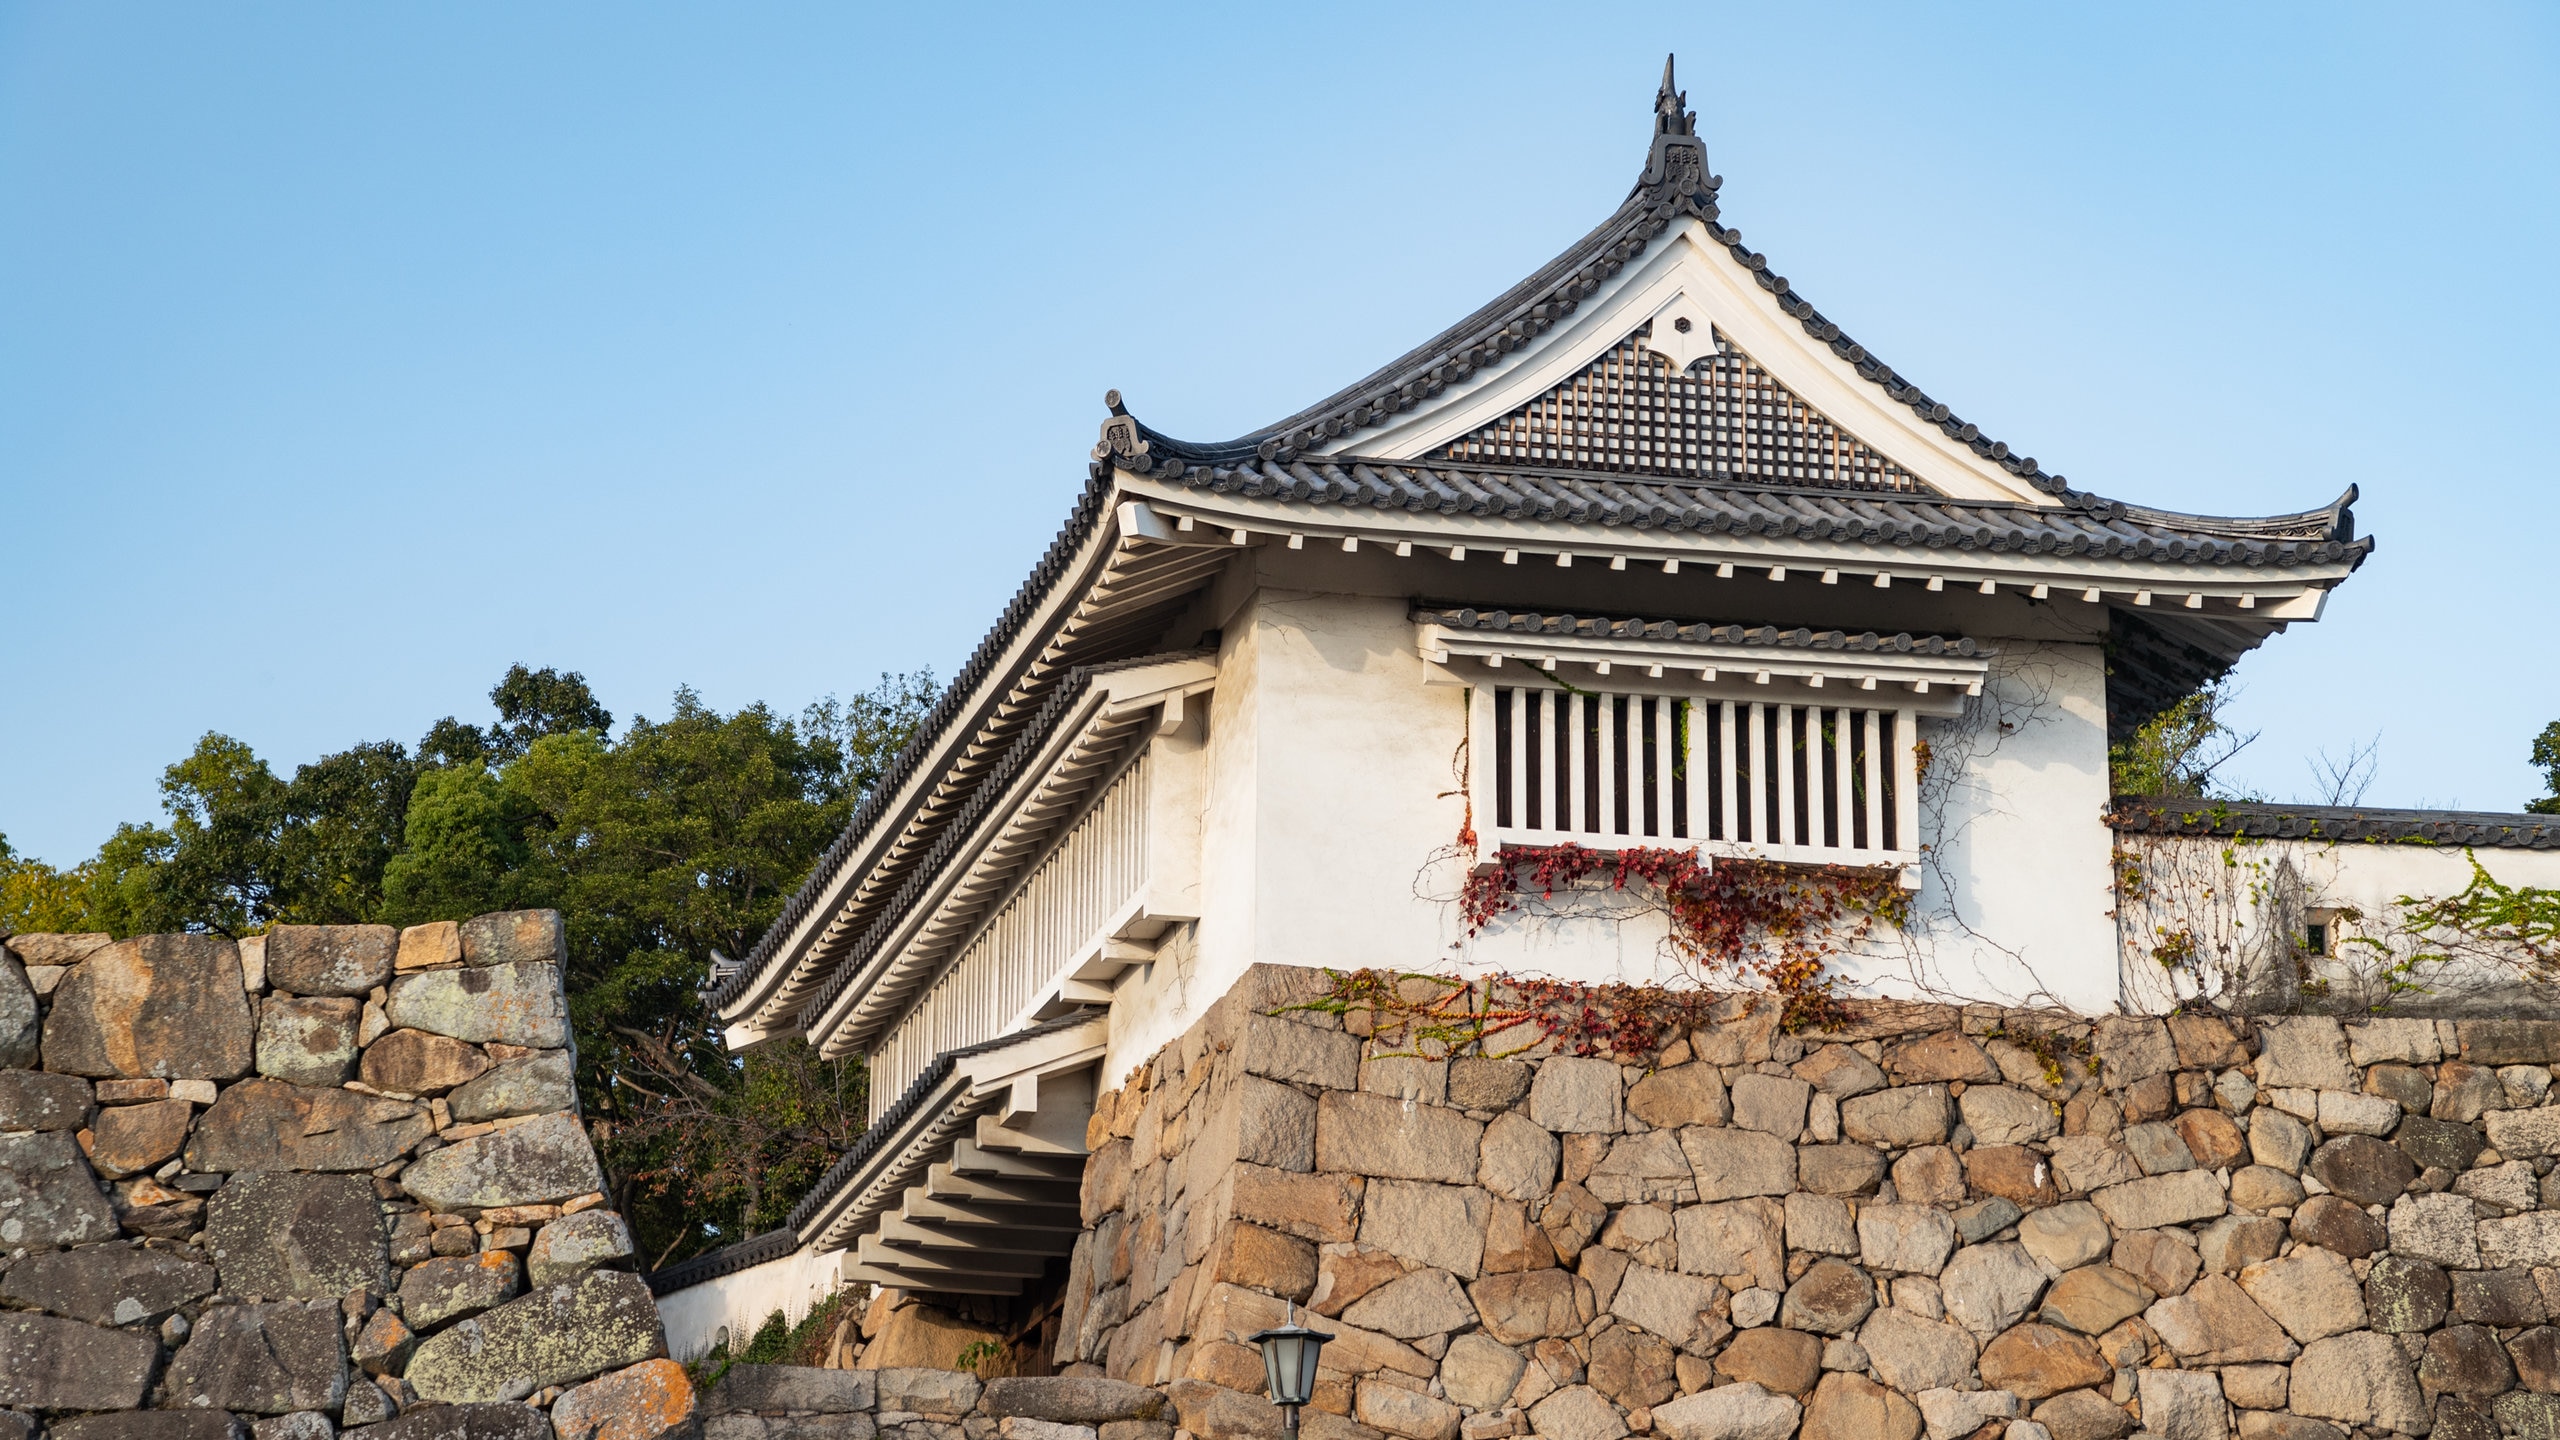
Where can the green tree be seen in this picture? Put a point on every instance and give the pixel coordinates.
(531, 704)
(214, 866)
(343, 817)
(675, 843)
(679, 843)
(2178, 751)
(462, 847)
(2546, 754)
(242, 849)
(36, 897)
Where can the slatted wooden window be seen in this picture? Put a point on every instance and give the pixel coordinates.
(1818, 784)
(1724, 418)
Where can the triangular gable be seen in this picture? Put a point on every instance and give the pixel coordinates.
(1637, 411)
(1687, 276)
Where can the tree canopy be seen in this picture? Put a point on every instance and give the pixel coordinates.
(2178, 751)
(678, 840)
(2546, 758)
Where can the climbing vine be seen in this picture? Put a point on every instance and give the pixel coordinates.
(2215, 920)
(2233, 919)
(1733, 922)
(1955, 758)
(2486, 925)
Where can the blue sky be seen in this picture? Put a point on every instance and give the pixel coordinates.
(349, 354)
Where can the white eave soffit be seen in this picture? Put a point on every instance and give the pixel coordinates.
(1684, 275)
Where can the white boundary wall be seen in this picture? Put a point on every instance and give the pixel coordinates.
(2246, 904)
(695, 1315)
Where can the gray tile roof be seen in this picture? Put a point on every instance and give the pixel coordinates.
(2105, 530)
(1525, 622)
(776, 1243)
(1675, 185)
(728, 1260)
(2176, 815)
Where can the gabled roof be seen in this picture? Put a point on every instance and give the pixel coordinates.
(1675, 185)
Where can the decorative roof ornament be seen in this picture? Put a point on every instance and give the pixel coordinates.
(1124, 440)
(1676, 171)
(1671, 114)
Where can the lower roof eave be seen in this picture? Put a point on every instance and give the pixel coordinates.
(2293, 592)
(941, 1107)
(1070, 761)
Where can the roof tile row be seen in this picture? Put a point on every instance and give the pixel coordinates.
(927, 740)
(2318, 537)
(2178, 815)
(1525, 622)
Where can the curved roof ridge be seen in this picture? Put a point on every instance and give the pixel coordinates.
(2335, 520)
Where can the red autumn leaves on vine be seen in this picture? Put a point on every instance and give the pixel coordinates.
(1735, 919)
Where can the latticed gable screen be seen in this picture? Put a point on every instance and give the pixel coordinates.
(1724, 418)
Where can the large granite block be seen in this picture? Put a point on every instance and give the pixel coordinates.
(170, 1006)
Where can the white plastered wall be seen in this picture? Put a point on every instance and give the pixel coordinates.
(1335, 800)
(2016, 903)
(1196, 963)
(741, 1302)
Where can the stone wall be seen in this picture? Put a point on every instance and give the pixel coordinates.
(328, 1176)
(1973, 1222)
(790, 1402)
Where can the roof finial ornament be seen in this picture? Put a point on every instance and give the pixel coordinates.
(1671, 106)
(1676, 172)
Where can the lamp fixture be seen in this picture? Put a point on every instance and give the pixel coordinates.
(1289, 1365)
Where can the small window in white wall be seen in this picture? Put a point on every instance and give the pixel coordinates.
(2320, 932)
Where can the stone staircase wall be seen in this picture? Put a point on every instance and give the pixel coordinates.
(331, 1176)
(1971, 1222)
